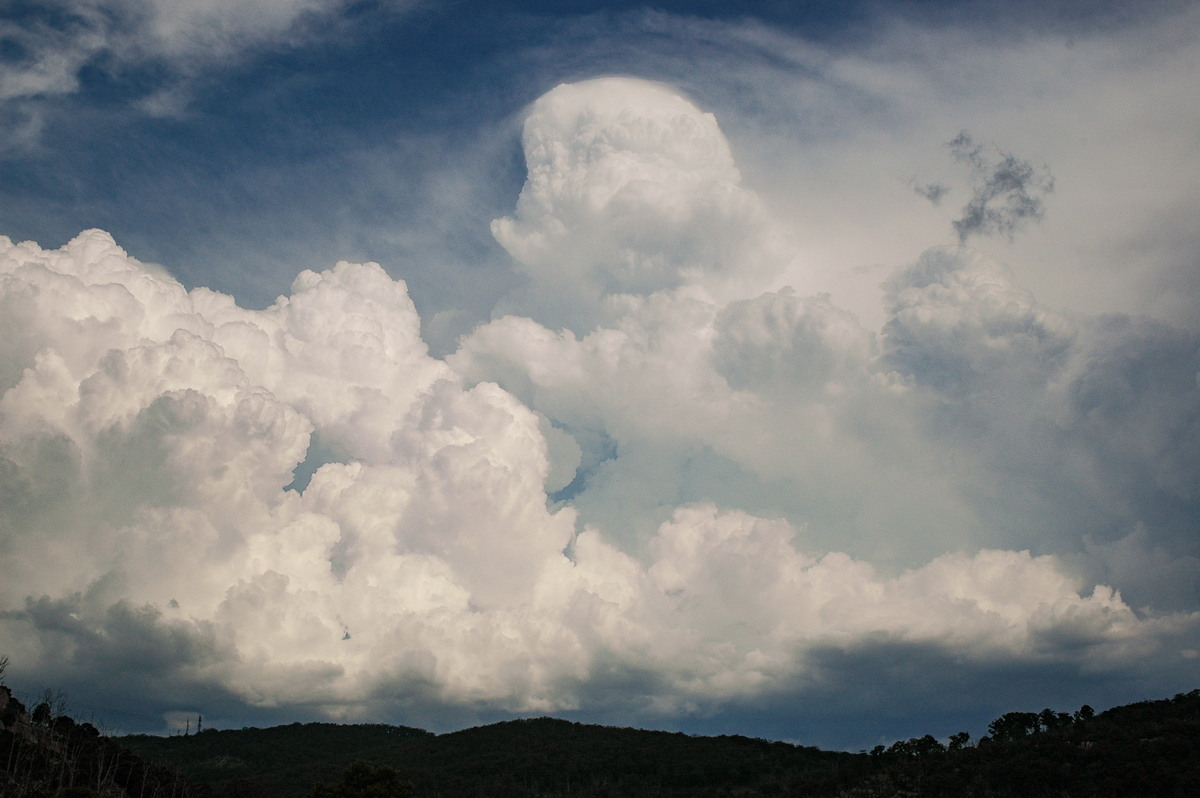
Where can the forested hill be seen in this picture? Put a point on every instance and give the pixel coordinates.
(541, 756)
(1148, 748)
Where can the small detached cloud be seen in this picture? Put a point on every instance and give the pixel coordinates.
(1007, 193)
(934, 192)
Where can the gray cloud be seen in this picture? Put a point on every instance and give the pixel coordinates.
(1007, 193)
(934, 192)
(121, 638)
(1080, 430)
(959, 323)
(1135, 405)
(782, 342)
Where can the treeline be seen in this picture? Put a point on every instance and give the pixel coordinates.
(1148, 748)
(534, 757)
(281, 760)
(44, 753)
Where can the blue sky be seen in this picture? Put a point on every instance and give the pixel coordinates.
(818, 371)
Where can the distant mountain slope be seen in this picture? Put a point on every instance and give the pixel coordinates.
(1151, 748)
(282, 760)
(541, 756)
(549, 757)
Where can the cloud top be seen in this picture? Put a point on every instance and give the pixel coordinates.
(631, 189)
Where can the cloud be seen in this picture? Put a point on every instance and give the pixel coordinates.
(947, 427)
(1007, 194)
(934, 192)
(651, 485)
(1134, 408)
(147, 436)
(51, 44)
(631, 189)
(1139, 385)
(958, 320)
(57, 39)
(780, 342)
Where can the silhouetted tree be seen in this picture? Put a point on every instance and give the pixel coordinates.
(959, 741)
(1013, 726)
(363, 780)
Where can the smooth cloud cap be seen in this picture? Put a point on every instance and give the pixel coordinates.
(631, 189)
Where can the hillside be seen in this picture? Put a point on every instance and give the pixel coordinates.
(44, 753)
(540, 756)
(1151, 748)
(1148, 748)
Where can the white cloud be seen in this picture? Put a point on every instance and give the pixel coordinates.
(834, 136)
(147, 434)
(951, 427)
(180, 39)
(761, 477)
(631, 189)
(219, 27)
(69, 33)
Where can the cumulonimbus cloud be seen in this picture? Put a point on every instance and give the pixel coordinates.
(148, 436)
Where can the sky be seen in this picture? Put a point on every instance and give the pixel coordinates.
(825, 372)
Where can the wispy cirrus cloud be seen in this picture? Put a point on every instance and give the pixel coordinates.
(48, 46)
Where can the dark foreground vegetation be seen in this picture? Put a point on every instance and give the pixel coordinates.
(1147, 749)
(46, 753)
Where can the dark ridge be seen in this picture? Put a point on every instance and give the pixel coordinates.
(1147, 748)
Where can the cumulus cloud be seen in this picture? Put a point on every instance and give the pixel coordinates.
(786, 343)
(696, 493)
(147, 434)
(958, 320)
(631, 189)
